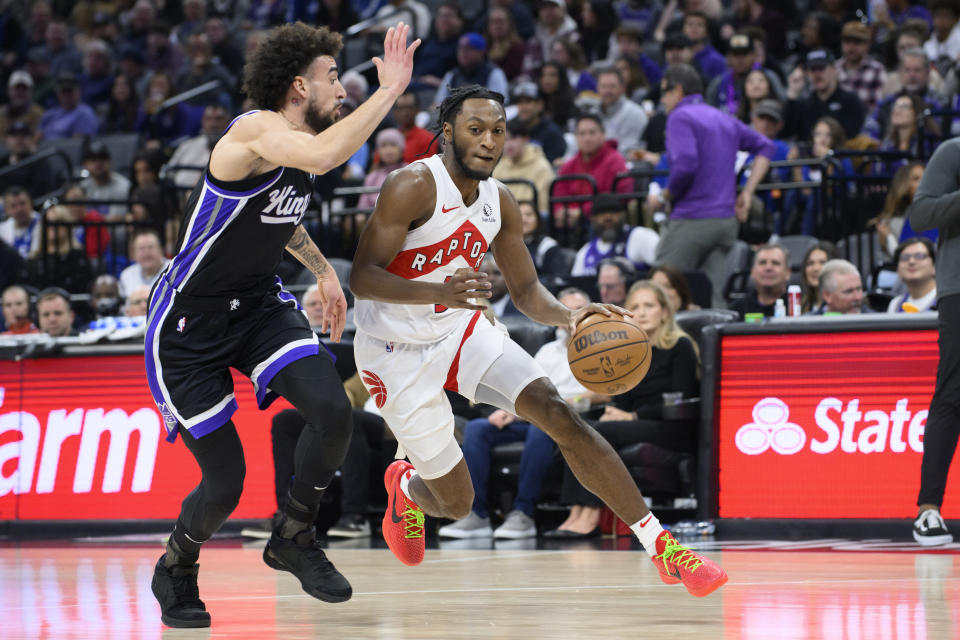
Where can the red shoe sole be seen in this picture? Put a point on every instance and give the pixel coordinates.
(389, 482)
(710, 588)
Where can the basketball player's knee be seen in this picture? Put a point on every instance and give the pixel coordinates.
(225, 490)
(333, 412)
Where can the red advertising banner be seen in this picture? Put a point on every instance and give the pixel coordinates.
(80, 438)
(824, 425)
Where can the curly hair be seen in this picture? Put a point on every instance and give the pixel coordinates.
(286, 52)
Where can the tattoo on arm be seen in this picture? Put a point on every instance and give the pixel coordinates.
(303, 248)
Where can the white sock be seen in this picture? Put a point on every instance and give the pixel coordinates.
(405, 483)
(647, 530)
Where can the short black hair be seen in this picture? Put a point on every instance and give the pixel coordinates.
(518, 127)
(915, 240)
(286, 52)
(450, 108)
(54, 292)
(589, 115)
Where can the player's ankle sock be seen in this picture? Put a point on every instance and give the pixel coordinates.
(176, 554)
(647, 529)
(405, 482)
(297, 517)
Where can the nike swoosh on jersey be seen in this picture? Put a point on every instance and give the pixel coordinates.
(444, 209)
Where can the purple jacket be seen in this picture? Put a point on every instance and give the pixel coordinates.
(702, 145)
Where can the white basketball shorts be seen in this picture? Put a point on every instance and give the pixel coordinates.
(406, 381)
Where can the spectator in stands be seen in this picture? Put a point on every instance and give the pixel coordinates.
(63, 261)
(614, 276)
(59, 50)
(416, 14)
(195, 151)
(161, 55)
(263, 14)
(675, 285)
(544, 249)
(35, 29)
(96, 80)
(569, 55)
(103, 183)
(13, 268)
(769, 276)
(417, 140)
(119, 114)
(827, 136)
(21, 228)
(914, 75)
(556, 94)
(481, 435)
(726, 91)
(224, 48)
(97, 240)
(20, 106)
(857, 71)
(105, 296)
(943, 47)
(623, 119)
(71, 118)
(133, 66)
(765, 17)
(636, 87)
(203, 68)
(702, 144)
(136, 302)
(523, 160)
(520, 13)
(137, 26)
(635, 416)
(54, 313)
(826, 98)
(390, 149)
(891, 224)
(16, 311)
(841, 288)
(149, 261)
(438, 53)
(553, 23)
(472, 68)
(543, 129)
(596, 156)
(38, 177)
(706, 59)
(894, 13)
(916, 267)
(756, 88)
(163, 124)
(337, 15)
(902, 131)
(611, 236)
(813, 262)
(630, 44)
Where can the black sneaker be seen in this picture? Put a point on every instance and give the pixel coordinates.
(176, 591)
(350, 525)
(930, 530)
(303, 557)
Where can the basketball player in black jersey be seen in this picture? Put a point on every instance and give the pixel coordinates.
(219, 305)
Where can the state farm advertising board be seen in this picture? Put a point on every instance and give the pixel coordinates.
(80, 438)
(824, 425)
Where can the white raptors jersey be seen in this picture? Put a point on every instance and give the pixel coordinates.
(454, 237)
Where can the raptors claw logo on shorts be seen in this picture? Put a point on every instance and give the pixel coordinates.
(378, 390)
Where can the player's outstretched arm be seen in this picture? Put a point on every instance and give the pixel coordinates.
(303, 248)
(526, 291)
(270, 137)
(402, 203)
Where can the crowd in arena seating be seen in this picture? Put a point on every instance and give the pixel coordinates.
(109, 111)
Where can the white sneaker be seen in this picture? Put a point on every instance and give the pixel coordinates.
(473, 526)
(517, 525)
(930, 530)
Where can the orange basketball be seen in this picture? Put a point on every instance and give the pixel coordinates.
(608, 355)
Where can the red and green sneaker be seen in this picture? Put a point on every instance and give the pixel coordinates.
(403, 521)
(677, 563)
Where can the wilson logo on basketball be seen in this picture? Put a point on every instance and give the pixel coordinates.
(598, 337)
(378, 390)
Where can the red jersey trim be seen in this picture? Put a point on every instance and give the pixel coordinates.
(455, 365)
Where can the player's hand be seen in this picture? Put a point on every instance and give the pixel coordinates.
(501, 418)
(462, 287)
(334, 306)
(577, 315)
(396, 67)
(743, 205)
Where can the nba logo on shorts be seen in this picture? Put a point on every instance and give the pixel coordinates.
(181, 325)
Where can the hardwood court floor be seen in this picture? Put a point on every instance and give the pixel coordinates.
(73, 590)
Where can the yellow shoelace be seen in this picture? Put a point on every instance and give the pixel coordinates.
(678, 554)
(413, 522)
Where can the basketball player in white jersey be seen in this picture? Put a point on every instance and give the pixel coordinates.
(420, 329)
